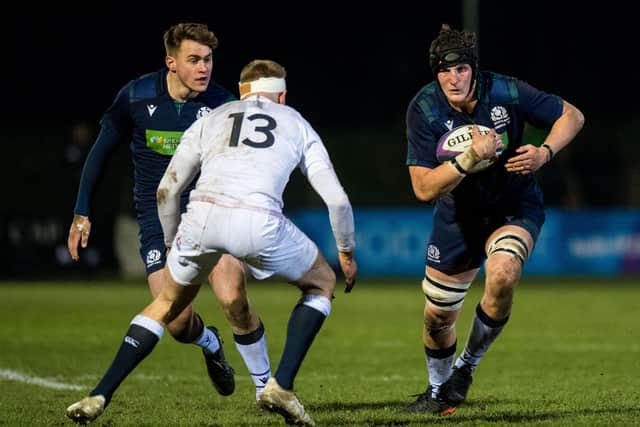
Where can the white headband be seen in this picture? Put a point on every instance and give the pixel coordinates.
(263, 84)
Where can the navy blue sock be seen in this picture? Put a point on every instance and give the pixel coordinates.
(137, 344)
(304, 324)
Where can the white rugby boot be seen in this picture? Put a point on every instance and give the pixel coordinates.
(86, 410)
(276, 399)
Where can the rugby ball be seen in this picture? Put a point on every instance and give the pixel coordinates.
(457, 140)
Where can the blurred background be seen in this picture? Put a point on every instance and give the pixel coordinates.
(351, 72)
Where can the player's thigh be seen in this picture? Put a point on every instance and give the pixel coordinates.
(287, 252)
(172, 299)
(228, 279)
(156, 282)
(152, 247)
(319, 279)
(456, 243)
(191, 259)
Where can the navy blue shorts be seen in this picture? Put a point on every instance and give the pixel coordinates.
(153, 251)
(460, 230)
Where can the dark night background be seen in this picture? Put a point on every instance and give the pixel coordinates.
(351, 72)
(344, 68)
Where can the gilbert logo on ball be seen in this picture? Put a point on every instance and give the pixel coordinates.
(459, 139)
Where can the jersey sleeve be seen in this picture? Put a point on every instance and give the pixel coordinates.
(326, 184)
(421, 142)
(118, 116)
(317, 167)
(116, 124)
(541, 109)
(314, 154)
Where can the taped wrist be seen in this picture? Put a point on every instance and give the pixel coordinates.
(466, 160)
(456, 167)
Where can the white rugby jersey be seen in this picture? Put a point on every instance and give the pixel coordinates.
(245, 152)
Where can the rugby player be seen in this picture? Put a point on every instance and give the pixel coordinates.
(245, 152)
(151, 113)
(492, 216)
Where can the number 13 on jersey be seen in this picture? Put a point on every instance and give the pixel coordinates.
(238, 120)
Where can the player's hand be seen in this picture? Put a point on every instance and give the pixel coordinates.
(487, 145)
(79, 232)
(528, 159)
(349, 267)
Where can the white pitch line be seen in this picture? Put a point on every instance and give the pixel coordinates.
(8, 374)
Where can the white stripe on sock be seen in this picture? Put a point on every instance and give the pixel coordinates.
(149, 324)
(318, 302)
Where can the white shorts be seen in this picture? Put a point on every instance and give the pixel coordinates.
(267, 241)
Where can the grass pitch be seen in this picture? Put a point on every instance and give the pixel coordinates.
(570, 356)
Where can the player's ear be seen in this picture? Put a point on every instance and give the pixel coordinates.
(282, 98)
(171, 63)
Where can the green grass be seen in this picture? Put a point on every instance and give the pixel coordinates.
(569, 356)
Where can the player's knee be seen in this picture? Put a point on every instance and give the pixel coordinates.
(511, 244)
(446, 296)
(327, 278)
(503, 272)
(320, 277)
(330, 275)
(232, 298)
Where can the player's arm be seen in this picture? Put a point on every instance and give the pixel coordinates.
(565, 128)
(326, 184)
(530, 158)
(546, 110)
(430, 183)
(115, 125)
(317, 167)
(92, 170)
(182, 169)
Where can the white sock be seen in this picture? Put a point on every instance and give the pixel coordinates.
(208, 340)
(439, 372)
(255, 357)
(149, 324)
(484, 331)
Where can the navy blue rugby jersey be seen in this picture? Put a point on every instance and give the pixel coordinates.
(504, 103)
(144, 115)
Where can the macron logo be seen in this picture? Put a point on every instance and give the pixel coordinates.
(152, 109)
(131, 341)
(449, 124)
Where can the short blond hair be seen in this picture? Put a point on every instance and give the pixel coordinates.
(177, 33)
(259, 68)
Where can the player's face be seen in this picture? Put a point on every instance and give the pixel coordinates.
(193, 65)
(455, 83)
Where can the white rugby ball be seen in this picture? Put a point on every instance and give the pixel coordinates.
(456, 141)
